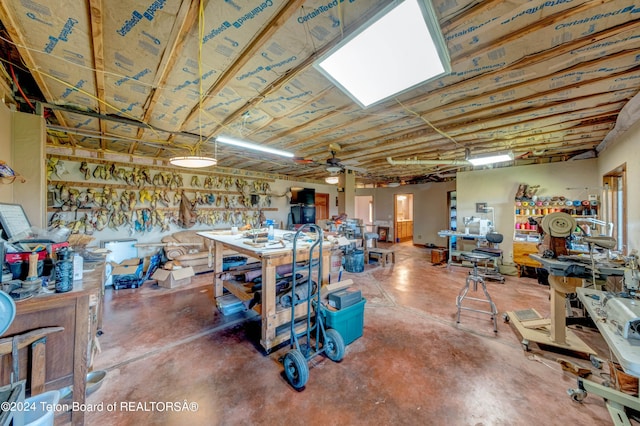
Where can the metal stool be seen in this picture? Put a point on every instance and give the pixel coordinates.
(494, 253)
(476, 278)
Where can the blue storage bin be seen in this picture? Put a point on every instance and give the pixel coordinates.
(354, 261)
(230, 304)
(349, 322)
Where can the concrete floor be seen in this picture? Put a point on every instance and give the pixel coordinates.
(413, 365)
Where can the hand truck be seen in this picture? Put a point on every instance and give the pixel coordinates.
(314, 339)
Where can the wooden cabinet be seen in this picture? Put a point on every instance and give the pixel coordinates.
(404, 230)
(67, 352)
(521, 252)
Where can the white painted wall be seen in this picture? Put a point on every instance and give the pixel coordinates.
(6, 191)
(430, 213)
(28, 159)
(22, 148)
(626, 150)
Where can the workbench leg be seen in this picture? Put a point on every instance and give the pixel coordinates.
(268, 304)
(217, 268)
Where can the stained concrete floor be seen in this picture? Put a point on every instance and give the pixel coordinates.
(413, 365)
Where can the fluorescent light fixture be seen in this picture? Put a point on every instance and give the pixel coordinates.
(249, 145)
(482, 160)
(398, 49)
(332, 180)
(193, 161)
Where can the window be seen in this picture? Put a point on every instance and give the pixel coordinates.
(614, 203)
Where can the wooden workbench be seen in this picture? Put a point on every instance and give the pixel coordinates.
(68, 352)
(272, 315)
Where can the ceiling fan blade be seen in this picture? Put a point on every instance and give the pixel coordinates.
(302, 160)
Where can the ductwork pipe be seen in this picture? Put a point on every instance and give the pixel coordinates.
(428, 162)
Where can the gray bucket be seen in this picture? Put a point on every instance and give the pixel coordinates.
(354, 261)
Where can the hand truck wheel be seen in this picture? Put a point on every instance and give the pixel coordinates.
(296, 368)
(333, 345)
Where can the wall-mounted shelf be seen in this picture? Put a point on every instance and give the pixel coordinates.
(118, 192)
(199, 208)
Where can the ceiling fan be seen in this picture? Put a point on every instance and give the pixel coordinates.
(333, 165)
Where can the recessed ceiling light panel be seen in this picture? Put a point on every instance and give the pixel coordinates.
(398, 49)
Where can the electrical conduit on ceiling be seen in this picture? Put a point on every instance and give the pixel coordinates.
(428, 162)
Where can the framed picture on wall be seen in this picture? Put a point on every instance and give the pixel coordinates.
(383, 233)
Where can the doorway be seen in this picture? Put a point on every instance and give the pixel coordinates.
(403, 217)
(364, 211)
(322, 206)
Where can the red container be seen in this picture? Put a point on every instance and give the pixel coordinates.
(23, 256)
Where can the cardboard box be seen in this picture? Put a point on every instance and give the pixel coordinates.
(126, 274)
(173, 278)
(439, 255)
(127, 267)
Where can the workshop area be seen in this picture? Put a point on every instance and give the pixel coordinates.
(413, 365)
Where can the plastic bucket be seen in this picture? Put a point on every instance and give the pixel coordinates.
(336, 262)
(43, 409)
(354, 261)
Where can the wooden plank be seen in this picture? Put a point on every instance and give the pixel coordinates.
(330, 288)
(239, 290)
(217, 266)
(38, 366)
(252, 49)
(543, 337)
(185, 21)
(536, 323)
(269, 317)
(95, 19)
(26, 339)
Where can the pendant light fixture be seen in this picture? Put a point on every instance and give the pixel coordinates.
(195, 160)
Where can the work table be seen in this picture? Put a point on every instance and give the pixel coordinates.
(456, 253)
(272, 315)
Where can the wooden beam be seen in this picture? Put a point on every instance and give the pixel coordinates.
(185, 20)
(97, 39)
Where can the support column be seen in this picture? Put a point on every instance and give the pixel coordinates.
(348, 204)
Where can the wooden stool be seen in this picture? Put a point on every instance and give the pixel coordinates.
(383, 256)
